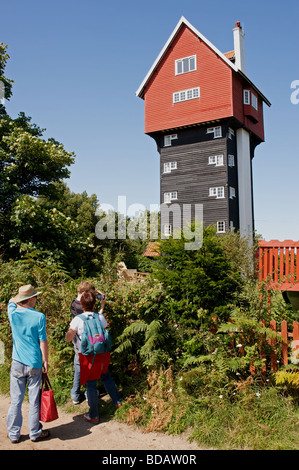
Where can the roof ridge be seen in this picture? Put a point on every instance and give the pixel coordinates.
(181, 22)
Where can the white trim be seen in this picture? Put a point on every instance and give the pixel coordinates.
(231, 160)
(219, 224)
(167, 230)
(181, 60)
(212, 130)
(254, 101)
(231, 192)
(169, 166)
(170, 196)
(246, 97)
(230, 133)
(217, 192)
(168, 138)
(186, 95)
(216, 160)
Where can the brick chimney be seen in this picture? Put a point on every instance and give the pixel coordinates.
(239, 46)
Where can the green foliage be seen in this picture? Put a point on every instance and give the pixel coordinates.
(29, 164)
(196, 279)
(50, 232)
(287, 378)
(148, 340)
(4, 56)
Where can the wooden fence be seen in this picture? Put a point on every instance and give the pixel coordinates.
(291, 344)
(291, 340)
(278, 265)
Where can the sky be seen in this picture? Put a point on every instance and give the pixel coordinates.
(77, 65)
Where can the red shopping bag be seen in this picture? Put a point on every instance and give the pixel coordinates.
(48, 409)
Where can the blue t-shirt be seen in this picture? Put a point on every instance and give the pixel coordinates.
(28, 328)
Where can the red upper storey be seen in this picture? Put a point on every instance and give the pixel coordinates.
(192, 82)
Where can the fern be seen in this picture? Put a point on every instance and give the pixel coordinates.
(154, 339)
(289, 377)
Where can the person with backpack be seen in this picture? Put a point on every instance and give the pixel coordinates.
(87, 331)
(106, 379)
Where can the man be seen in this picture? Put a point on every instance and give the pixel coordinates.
(30, 354)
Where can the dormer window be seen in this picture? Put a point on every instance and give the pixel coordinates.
(185, 65)
(250, 98)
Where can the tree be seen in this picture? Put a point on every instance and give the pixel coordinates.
(7, 83)
(196, 281)
(80, 207)
(28, 164)
(48, 233)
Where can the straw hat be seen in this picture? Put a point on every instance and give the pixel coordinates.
(25, 292)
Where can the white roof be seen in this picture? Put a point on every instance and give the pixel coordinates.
(181, 22)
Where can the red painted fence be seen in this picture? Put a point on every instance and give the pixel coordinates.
(278, 264)
(291, 341)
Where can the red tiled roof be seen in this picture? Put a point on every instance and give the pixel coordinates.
(229, 55)
(152, 249)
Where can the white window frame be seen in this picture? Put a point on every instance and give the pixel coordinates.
(220, 226)
(232, 192)
(167, 230)
(231, 160)
(169, 166)
(170, 196)
(254, 101)
(168, 139)
(216, 160)
(186, 95)
(217, 131)
(230, 133)
(246, 97)
(179, 64)
(217, 192)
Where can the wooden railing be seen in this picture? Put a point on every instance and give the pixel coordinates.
(291, 343)
(278, 264)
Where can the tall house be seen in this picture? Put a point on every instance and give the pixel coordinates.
(206, 118)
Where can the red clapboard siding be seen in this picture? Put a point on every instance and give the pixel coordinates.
(213, 76)
(239, 84)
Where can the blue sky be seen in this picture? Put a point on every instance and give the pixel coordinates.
(77, 66)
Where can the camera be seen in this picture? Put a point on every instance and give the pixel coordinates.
(100, 296)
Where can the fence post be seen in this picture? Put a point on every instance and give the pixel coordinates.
(284, 344)
(272, 344)
(295, 343)
(263, 354)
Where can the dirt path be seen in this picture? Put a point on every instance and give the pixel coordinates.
(72, 432)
